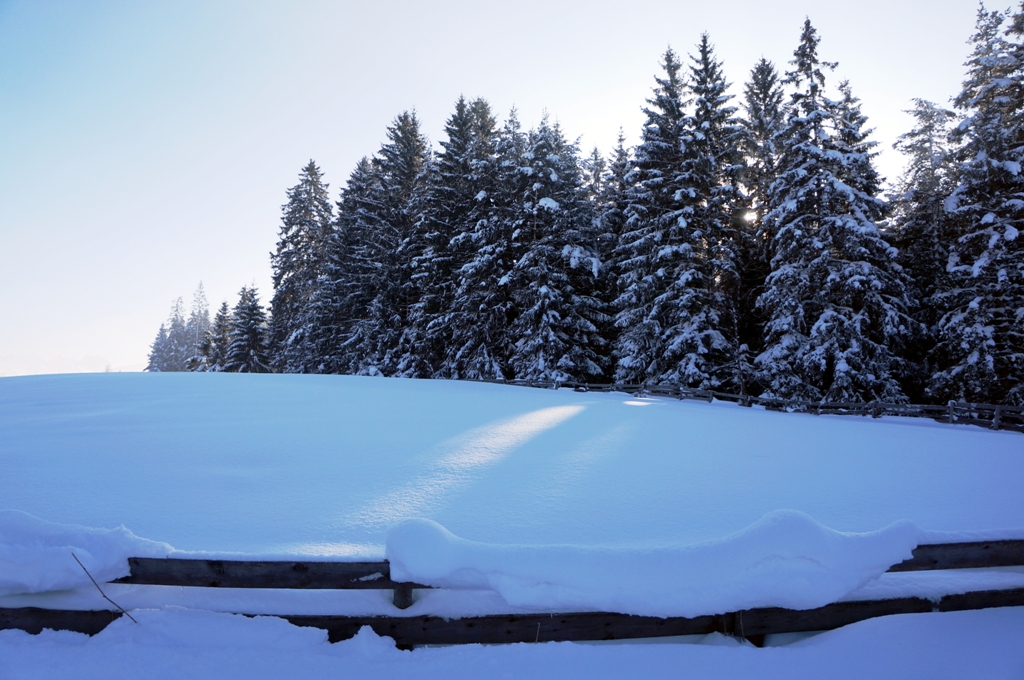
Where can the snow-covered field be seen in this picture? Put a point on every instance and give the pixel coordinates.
(521, 499)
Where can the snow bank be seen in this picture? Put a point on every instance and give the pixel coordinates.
(786, 559)
(36, 555)
(176, 643)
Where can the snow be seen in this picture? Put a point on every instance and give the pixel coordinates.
(39, 556)
(323, 465)
(786, 559)
(524, 500)
(175, 643)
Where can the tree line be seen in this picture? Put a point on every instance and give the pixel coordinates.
(742, 246)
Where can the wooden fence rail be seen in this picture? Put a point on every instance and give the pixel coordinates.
(993, 416)
(752, 624)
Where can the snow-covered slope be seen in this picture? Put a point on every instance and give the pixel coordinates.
(555, 499)
(324, 465)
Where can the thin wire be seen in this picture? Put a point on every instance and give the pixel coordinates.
(101, 589)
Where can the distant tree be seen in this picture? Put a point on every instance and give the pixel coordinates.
(197, 327)
(836, 303)
(213, 349)
(159, 353)
(247, 350)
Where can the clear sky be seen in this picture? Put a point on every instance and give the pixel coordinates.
(145, 147)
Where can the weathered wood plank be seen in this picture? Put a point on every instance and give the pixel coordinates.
(421, 630)
(33, 620)
(974, 555)
(376, 575)
(260, 574)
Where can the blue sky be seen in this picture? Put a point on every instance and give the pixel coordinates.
(145, 147)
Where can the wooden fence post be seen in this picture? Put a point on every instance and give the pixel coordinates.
(995, 419)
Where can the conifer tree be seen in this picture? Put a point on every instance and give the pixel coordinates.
(653, 237)
(247, 350)
(835, 301)
(482, 311)
(554, 335)
(454, 198)
(214, 348)
(338, 312)
(385, 232)
(197, 327)
(980, 334)
(609, 208)
(920, 224)
(678, 253)
(158, 352)
(306, 223)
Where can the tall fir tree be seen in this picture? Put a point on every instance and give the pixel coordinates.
(980, 333)
(482, 309)
(454, 198)
(338, 311)
(247, 350)
(554, 334)
(653, 237)
(307, 220)
(385, 232)
(835, 302)
(920, 224)
(678, 254)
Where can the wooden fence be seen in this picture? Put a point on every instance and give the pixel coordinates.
(993, 416)
(408, 631)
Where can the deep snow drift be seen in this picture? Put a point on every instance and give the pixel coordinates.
(784, 560)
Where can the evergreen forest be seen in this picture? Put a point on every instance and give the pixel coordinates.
(747, 244)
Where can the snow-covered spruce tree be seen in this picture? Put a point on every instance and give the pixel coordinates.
(338, 310)
(835, 301)
(158, 352)
(213, 350)
(652, 238)
(703, 338)
(609, 201)
(247, 350)
(173, 346)
(306, 223)
(482, 310)
(763, 122)
(454, 198)
(197, 328)
(980, 334)
(919, 224)
(554, 336)
(678, 253)
(385, 233)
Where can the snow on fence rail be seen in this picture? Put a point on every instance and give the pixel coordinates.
(993, 416)
(407, 631)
